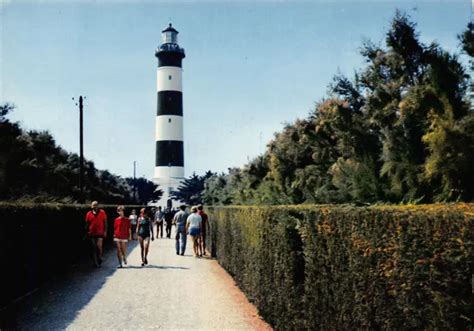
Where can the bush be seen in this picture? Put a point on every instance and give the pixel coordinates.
(342, 267)
(38, 241)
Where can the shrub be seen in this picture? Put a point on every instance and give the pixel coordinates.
(38, 241)
(343, 267)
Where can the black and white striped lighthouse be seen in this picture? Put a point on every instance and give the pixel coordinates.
(169, 163)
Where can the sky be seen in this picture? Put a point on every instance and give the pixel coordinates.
(250, 67)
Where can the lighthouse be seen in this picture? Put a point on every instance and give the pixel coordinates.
(169, 162)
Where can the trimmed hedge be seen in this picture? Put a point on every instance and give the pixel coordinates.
(345, 268)
(38, 241)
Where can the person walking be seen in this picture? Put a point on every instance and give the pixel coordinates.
(193, 228)
(144, 230)
(179, 220)
(96, 229)
(169, 221)
(204, 228)
(133, 222)
(159, 217)
(122, 234)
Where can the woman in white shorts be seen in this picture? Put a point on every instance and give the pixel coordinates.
(193, 228)
(122, 234)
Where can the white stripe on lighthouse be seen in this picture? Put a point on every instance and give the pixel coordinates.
(169, 79)
(169, 172)
(169, 127)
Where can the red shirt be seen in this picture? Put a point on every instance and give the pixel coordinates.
(122, 228)
(96, 223)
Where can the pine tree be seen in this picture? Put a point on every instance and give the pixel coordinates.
(191, 189)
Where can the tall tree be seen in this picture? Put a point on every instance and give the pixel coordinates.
(467, 39)
(34, 168)
(399, 131)
(146, 191)
(191, 189)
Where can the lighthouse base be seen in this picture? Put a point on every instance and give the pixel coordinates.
(167, 185)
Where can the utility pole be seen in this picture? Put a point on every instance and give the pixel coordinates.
(134, 181)
(81, 149)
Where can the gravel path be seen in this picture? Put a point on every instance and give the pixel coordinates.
(171, 293)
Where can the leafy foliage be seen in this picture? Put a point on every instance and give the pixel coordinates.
(190, 190)
(146, 191)
(399, 131)
(28, 229)
(34, 168)
(467, 39)
(351, 268)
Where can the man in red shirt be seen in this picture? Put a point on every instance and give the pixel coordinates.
(96, 227)
(204, 226)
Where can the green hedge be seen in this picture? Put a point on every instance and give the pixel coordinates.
(38, 241)
(341, 267)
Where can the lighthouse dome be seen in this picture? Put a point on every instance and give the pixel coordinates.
(169, 35)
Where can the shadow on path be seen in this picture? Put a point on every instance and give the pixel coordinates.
(150, 266)
(70, 292)
(111, 298)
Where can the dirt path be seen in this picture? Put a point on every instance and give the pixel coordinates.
(171, 293)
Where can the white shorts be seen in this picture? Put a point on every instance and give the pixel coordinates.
(121, 240)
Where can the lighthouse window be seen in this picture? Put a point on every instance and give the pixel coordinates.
(169, 120)
(169, 77)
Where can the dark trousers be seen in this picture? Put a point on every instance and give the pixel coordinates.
(96, 258)
(159, 228)
(181, 237)
(168, 229)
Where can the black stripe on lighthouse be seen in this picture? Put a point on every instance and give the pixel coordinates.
(170, 103)
(170, 59)
(169, 153)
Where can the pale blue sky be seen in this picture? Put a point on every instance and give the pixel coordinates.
(249, 68)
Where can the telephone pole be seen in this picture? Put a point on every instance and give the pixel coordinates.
(134, 181)
(81, 149)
